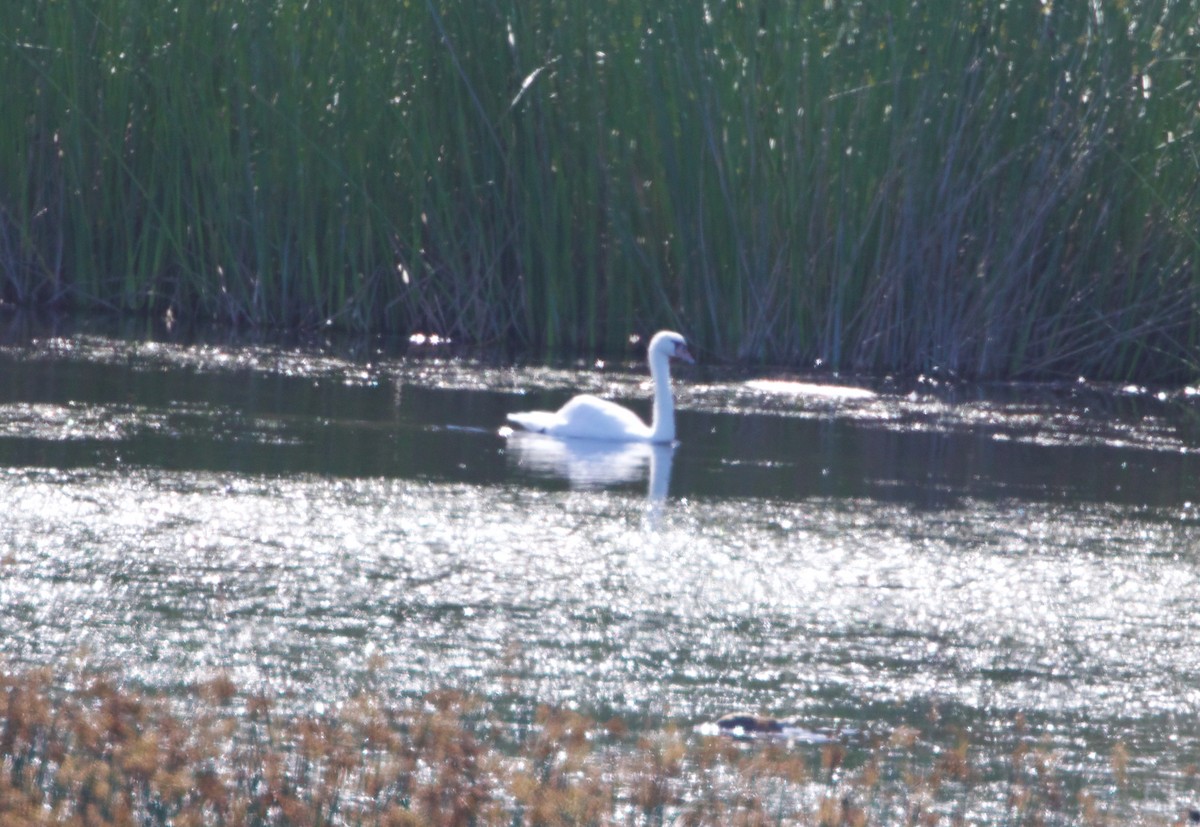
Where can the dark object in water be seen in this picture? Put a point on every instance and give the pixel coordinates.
(1194, 815)
(749, 722)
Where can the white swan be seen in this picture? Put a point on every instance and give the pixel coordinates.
(589, 417)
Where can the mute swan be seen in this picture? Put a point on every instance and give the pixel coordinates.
(589, 417)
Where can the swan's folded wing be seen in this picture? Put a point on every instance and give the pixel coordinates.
(594, 418)
(585, 417)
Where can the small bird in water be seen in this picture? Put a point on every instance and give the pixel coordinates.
(744, 726)
(748, 722)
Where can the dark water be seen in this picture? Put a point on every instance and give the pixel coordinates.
(315, 518)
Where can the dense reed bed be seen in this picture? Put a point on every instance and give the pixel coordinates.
(85, 750)
(990, 189)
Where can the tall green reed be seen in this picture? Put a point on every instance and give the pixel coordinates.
(989, 189)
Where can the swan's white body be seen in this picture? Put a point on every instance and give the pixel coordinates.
(590, 417)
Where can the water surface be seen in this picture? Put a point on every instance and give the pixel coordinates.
(314, 519)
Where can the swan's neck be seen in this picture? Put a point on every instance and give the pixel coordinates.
(662, 422)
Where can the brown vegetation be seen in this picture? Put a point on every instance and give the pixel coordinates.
(87, 750)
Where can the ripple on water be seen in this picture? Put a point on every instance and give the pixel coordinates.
(310, 523)
(599, 599)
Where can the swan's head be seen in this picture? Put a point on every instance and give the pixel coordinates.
(672, 345)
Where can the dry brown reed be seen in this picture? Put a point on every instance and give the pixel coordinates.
(86, 749)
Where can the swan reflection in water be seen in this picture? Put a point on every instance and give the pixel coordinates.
(594, 463)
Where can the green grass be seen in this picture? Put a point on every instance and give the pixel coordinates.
(991, 190)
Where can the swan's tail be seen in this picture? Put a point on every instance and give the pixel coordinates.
(538, 421)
